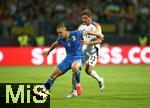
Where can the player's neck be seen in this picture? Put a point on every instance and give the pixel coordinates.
(90, 21)
(67, 34)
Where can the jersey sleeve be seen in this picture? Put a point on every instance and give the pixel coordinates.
(80, 27)
(80, 33)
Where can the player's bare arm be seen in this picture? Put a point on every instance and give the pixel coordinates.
(100, 35)
(99, 39)
(53, 46)
(92, 42)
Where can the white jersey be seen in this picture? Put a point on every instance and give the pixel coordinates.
(90, 50)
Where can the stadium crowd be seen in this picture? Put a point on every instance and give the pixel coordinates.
(40, 17)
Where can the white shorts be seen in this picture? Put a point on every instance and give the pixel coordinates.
(91, 59)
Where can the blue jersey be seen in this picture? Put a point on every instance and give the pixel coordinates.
(72, 43)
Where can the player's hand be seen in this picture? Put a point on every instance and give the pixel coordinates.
(102, 37)
(86, 42)
(88, 32)
(46, 52)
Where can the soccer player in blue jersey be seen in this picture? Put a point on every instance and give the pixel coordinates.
(71, 40)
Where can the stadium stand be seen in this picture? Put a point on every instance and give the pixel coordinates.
(125, 20)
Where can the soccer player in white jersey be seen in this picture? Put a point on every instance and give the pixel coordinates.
(91, 45)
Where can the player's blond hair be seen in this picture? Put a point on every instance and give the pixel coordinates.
(61, 25)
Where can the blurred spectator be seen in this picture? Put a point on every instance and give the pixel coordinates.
(143, 40)
(113, 9)
(40, 40)
(128, 16)
(23, 40)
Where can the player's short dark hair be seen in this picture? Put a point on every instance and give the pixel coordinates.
(86, 12)
(61, 25)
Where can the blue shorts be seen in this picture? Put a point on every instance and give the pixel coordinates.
(65, 65)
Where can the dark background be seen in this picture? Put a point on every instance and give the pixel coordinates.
(123, 21)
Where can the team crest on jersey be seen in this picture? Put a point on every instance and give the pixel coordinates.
(73, 38)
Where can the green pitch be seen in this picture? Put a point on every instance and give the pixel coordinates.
(126, 86)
